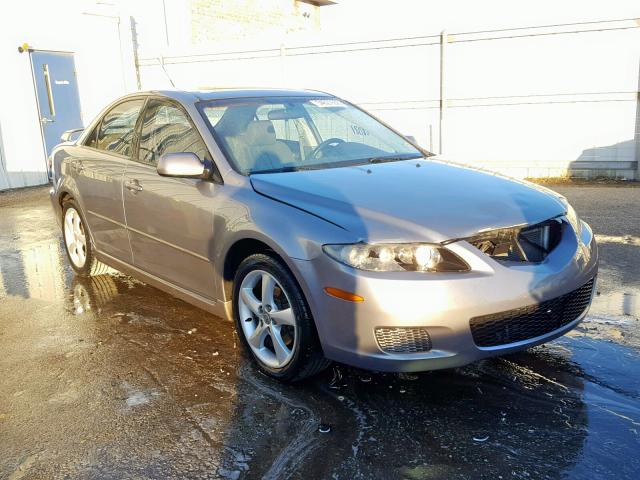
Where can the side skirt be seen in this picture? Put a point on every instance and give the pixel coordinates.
(218, 308)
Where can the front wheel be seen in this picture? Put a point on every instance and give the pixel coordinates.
(273, 320)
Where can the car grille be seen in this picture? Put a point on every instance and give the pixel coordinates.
(532, 321)
(403, 339)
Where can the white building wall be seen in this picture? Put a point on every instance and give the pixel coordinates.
(104, 71)
(540, 104)
(548, 100)
(527, 101)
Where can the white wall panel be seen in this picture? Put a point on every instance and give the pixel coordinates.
(104, 71)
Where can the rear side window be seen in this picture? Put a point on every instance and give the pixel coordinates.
(167, 129)
(116, 130)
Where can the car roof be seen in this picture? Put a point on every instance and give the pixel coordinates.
(192, 96)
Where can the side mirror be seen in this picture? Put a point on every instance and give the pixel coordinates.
(411, 138)
(182, 164)
(71, 135)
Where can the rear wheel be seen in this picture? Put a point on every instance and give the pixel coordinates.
(273, 320)
(77, 242)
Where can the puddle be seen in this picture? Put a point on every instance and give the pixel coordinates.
(95, 350)
(617, 303)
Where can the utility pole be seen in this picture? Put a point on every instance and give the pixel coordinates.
(444, 39)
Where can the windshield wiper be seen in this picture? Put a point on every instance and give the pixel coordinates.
(392, 158)
(320, 166)
(285, 169)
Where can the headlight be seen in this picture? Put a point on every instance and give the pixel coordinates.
(397, 257)
(573, 219)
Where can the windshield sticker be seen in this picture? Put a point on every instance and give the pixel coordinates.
(327, 103)
(358, 130)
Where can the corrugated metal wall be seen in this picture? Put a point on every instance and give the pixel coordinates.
(533, 101)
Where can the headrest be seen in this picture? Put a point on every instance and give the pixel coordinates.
(234, 121)
(261, 133)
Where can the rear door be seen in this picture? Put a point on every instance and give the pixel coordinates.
(99, 171)
(170, 220)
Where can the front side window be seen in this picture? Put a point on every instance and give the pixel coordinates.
(166, 129)
(116, 130)
(92, 138)
(286, 134)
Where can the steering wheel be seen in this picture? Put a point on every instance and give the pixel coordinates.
(330, 142)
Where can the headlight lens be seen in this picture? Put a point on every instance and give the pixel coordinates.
(573, 219)
(392, 257)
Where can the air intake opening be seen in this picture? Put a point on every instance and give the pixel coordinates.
(532, 321)
(523, 244)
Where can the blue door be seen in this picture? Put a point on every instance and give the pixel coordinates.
(57, 93)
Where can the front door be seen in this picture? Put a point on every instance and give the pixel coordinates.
(57, 95)
(170, 220)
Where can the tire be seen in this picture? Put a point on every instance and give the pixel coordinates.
(305, 358)
(81, 257)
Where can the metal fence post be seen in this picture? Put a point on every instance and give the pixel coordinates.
(134, 44)
(636, 134)
(283, 54)
(431, 138)
(443, 98)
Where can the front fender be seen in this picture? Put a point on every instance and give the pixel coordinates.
(291, 233)
(289, 230)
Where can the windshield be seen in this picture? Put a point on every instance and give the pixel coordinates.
(277, 134)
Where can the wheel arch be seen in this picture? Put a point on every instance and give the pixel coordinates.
(239, 250)
(64, 196)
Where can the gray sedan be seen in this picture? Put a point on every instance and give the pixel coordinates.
(320, 231)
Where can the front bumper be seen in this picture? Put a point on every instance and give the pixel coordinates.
(441, 303)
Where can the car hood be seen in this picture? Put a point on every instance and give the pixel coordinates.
(409, 201)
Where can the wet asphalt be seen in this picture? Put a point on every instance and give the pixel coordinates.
(111, 378)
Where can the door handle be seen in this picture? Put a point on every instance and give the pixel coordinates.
(133, 185)
(44, 120)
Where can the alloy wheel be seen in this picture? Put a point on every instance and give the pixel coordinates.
(267, 318)
(75, 237)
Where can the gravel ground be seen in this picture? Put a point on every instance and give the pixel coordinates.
(111, 378)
